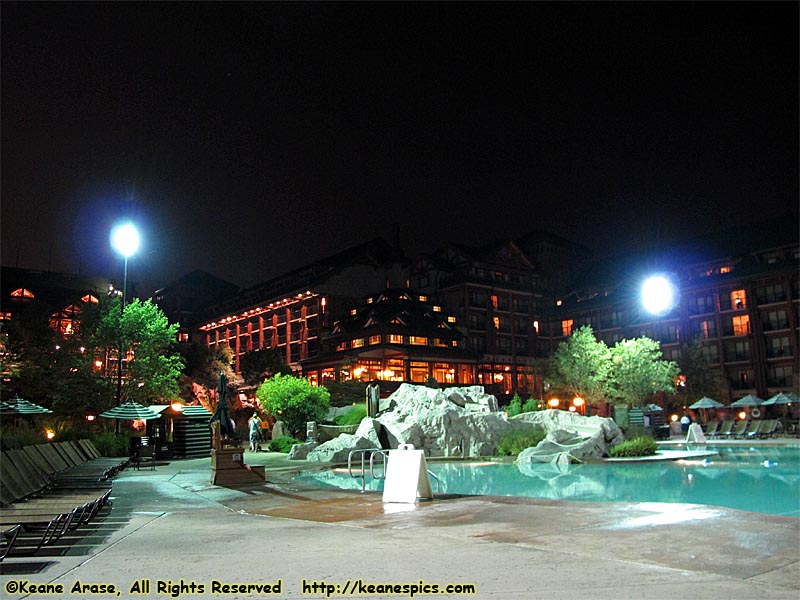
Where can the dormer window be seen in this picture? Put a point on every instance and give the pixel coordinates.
(22, 293)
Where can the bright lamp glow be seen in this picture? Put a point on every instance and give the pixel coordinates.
(657, 294)
(125, 239)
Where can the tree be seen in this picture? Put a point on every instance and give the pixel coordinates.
(639, 372)
(703, 378)
(258, 365)
(294, 401)
(581, 365)
(147, 339)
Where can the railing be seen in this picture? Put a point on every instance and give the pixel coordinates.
(372, 452)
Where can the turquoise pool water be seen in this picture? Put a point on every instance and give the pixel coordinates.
(763, 479)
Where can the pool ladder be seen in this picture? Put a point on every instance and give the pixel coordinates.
(384, 458)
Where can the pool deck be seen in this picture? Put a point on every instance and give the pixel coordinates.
(172, 524)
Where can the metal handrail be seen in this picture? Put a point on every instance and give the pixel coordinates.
(362, 475)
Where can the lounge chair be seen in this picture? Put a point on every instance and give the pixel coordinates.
(725, 429)
(711, 428)
(739, 429)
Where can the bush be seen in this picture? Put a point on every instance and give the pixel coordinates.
(111, 444)
(512, 444)
(639, 446)
(294, 401)
(514, 407)
(354, 416)
(530, 405)
(283, 444)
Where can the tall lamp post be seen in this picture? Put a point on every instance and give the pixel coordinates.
(125, 240)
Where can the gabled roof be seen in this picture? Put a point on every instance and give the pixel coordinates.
(397, 310)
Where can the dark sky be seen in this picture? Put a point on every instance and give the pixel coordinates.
(250, 139)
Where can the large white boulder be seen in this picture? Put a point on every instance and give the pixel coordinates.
(570, 437)
(465, 421)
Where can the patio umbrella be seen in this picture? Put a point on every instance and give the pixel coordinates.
(223, 412)
(130, 411)
(21, 406)
(782, 398)
(706, 402)
(749, 400)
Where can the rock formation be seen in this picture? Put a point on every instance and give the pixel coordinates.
(464, 421)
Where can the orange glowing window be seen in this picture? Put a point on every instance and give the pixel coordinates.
(423, 298)
(494, 301)
(741, 325)
(90, 299)
(416, 340)
(724, 269)
(357, 343)
(395, 338)
(437, 308)
(566, 327)
(496, 321)
(22, 293)
(536, 326)
(451, 319)
(5, 316)
(374, 339)
(559, 302)
(738, 299)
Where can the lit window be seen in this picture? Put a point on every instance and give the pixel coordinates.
(559, 302)
(5, 316)
(90, 299)
(494, 300)
(416, 340)
(183, 337)
(566, 327)
(354, 311)
(437, 308)
(357, 343)
(536, 326)
(451, 319)
(439, 343)
(395, 338)
(455, 343)
(724, 270)
(741, 325)
(423, 298)
(374, 339)
(341, 346)
(496, 321)
(738, 299)
(22, 293)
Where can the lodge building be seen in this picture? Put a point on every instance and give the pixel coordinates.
(492, 315)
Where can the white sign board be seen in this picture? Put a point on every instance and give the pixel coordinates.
(406, 476)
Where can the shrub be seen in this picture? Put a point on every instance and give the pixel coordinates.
(294, 401)
(531, 405)
(354, 416)
(110, 444)
(514, 407)
(638, 446)
(283, 444)
(513, 443)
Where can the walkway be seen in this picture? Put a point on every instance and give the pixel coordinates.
(171, 525)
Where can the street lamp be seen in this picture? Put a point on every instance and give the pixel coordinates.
(125, 240)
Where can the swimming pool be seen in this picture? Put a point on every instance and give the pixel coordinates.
(764, 479)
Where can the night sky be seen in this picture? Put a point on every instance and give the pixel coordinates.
(251, 139)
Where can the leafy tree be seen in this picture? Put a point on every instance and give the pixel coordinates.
(581, 365)
(294, 401)
(639, 372)
(258, 365)
(144, 333)
(203, 364)
(702, 378)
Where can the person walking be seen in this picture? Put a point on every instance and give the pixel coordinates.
(255, 432)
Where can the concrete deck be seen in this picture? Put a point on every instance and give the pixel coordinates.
(172, 525)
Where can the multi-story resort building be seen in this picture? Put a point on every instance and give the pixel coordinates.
(492, 315)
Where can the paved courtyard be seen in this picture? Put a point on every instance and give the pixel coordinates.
(171, 530)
